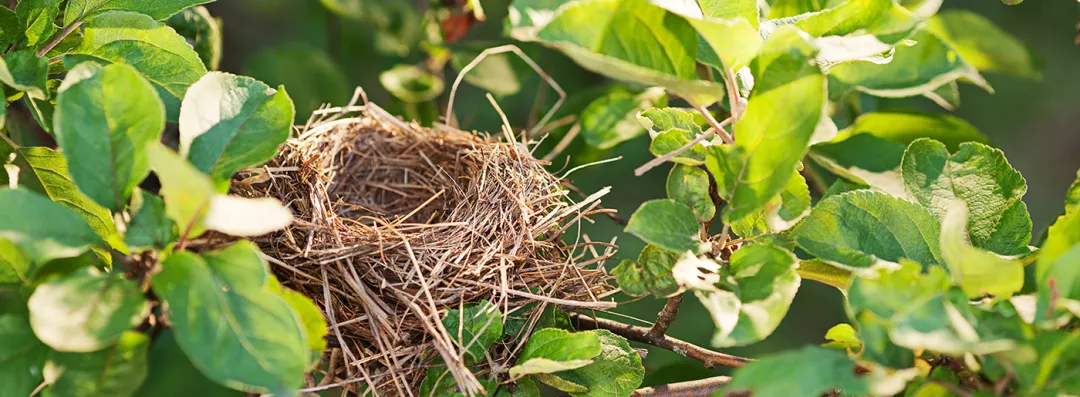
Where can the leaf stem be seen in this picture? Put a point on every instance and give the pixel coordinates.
(641, 334)
(59, 37)
(666, 317)
(700, 387)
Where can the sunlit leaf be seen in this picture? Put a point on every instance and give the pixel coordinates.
(552, 350)
(690, 186)
(86, 311)
(158, 9)
(36, 18)
(118, 370)
(808, 372)
(977, 271)
(905, 127)
(615, 371)
(23, 70)
(65, 234)
(984, 45)
(764, 284)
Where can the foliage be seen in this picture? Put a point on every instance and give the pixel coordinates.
(924, 227)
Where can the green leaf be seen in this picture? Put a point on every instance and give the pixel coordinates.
(412, 84)
(907, 126)
(882, 18)
(733, 42)
(779, 9)
(186, 191)
(150, 226)
(15, 268)
(36, 18)
(615, 372)
(229, 122)
(310, 75)
(914, 70)
(202, 30)
(474, 328)
(780, 214)
(173, 375)
(158, 9)
(228, 321)
(859, 229)
(499, 74)
(22, 356)
(690, 186)
(631, 40)
(86, 311)
(864, 159)
(104, 119)
(151, 47)
(552, 350)
(808, 372)
(979, 272)
(650, 274)
(782, 114)
(315, 328)
(65, 235)
(671, 129)
(979, 175)
(1072, 197)
(843, 336)
(1047, 370)
(611, 119)
(984, 45)
(118, 370)
(667, 224)
(11, 30)
(764, 284)
(1055, 270)
(826, 273)
(25, 71)
(45, 171)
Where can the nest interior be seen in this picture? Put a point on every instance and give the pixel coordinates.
(396, 223)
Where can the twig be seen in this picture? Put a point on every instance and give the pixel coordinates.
(717, 129)
(666, 317)
(641, 334)
(694, 388)
(60, 37)
(718, 126)
(814, 181)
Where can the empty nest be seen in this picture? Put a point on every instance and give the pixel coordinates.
(396, 223)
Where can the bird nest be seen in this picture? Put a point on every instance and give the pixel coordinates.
(396, 223)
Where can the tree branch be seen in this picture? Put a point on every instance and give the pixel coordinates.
(666, 317)
(641, 334)
(694, 388)
(717, 128)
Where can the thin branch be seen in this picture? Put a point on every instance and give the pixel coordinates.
(694, 388)
(60, 37)
(717, 129)
(641, 334)
(666, 317)
(718, 126)
(813, 180)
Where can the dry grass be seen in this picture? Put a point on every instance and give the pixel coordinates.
(397, 223)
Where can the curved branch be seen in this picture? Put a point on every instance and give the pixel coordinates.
(666, 317)
(641, 334)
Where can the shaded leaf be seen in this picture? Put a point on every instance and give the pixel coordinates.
(150, 226)
(474, 328)
(15, 268)
(859, 229)
(10, 28)
(864, 159)
(552, 350)
(230, 122)
(650, 274)
(22, 356)
(808, 372)
(234, 328)
(173, 375)
(984, 45)
(905, 127)
(978, 175)
(118, 370)
(666, 224)
(611, 119)
(104, 119)
(690, 186)
(780, 214)
(23, 70)
(202, 30)
(86, 311)
(65, 235)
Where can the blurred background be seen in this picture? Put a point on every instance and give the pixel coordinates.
(320, 54)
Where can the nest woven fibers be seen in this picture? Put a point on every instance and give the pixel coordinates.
(397, 223)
